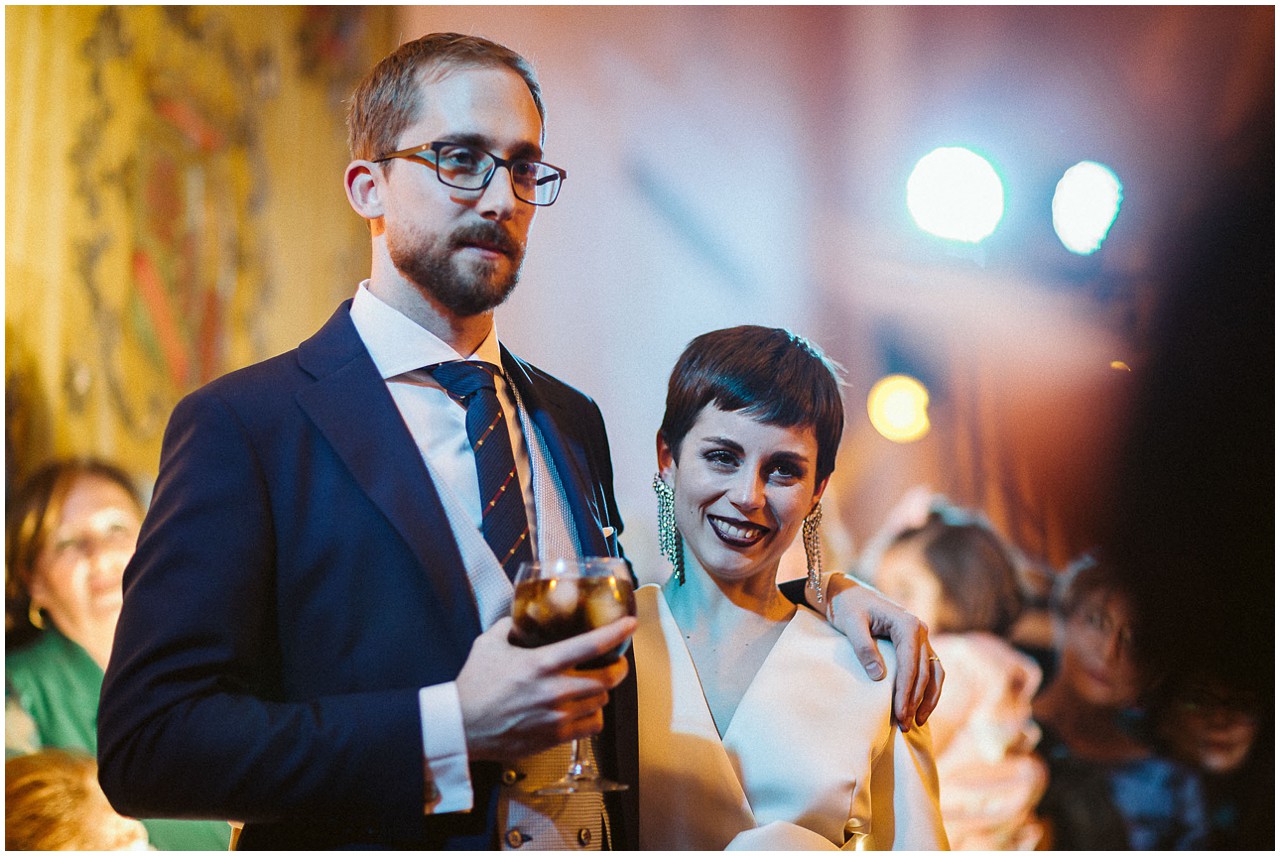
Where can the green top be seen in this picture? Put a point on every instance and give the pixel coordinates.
(57, 683)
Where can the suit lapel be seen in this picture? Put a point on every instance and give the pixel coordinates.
(568, 458)
(620, 756)
(350, 405)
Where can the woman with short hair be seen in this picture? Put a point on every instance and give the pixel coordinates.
(760, 728)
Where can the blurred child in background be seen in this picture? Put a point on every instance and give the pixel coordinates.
(52, 801)
(957, 575)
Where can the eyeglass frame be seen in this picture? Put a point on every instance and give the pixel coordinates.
(415, 152)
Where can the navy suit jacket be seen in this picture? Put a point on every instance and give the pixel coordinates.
(296, 582)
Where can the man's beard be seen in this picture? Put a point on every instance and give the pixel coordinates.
(466, 289)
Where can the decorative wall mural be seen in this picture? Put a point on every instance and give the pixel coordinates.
(188, 243)
(330, 48)
(163, 220)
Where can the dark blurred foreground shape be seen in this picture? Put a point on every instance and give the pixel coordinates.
(1193, 502)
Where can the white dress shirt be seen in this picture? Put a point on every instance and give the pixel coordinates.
(401, 350)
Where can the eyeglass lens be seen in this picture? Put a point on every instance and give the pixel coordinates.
(469, 168)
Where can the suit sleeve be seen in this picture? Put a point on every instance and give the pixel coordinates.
(193, 720)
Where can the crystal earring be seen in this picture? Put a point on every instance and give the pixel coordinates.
(813, 548)
(669, 541)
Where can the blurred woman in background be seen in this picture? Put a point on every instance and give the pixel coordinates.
(72, 528)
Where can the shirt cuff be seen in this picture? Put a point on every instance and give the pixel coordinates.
(444, 751)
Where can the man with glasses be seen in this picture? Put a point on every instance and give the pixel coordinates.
(314, 634)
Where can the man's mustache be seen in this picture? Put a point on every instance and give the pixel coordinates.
(491, 236)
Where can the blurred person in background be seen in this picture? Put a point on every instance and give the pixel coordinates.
(1032, 630)
(1213, 721)
(52, 802)
(21, 735)
(954, 572)
(1108, 789)
(72, 527)
(71, 530)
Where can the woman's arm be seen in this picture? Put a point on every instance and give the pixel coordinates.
(862, 614)
(906, 814)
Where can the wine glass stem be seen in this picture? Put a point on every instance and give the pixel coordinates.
(575, 760)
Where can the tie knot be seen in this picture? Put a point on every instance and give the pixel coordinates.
(463, 378)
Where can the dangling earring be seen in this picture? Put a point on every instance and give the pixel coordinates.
(669, 541)
(34, 616)
(813, 548)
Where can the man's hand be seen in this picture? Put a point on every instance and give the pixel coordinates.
(861, 613)
(518, 701)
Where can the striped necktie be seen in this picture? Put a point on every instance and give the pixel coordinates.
(505, 525)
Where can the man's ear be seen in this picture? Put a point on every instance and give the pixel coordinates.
(363, 184)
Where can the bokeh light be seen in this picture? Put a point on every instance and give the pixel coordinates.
(1085, 205)
(899, 408)
(956, 194)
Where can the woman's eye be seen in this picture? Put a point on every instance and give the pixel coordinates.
(118, 533)
(65, 545)
(721, 458)
(785, 473)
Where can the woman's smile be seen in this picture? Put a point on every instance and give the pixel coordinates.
(737, 533)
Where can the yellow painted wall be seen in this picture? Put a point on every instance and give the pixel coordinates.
(173, 208)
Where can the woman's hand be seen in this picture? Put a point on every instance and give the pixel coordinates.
(862, 614)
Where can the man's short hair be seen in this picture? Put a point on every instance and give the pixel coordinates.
(388, 99)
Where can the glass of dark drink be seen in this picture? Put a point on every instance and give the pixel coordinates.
(562, 598)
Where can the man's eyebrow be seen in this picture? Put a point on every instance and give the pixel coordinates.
(525, 150)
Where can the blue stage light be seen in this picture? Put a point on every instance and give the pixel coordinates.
(1085, 205)
(956, 194)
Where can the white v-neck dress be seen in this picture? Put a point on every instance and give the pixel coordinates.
(811, 749)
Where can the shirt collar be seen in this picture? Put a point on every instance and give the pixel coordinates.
(397, 344)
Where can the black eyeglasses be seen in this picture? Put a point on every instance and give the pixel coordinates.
(472, 168)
